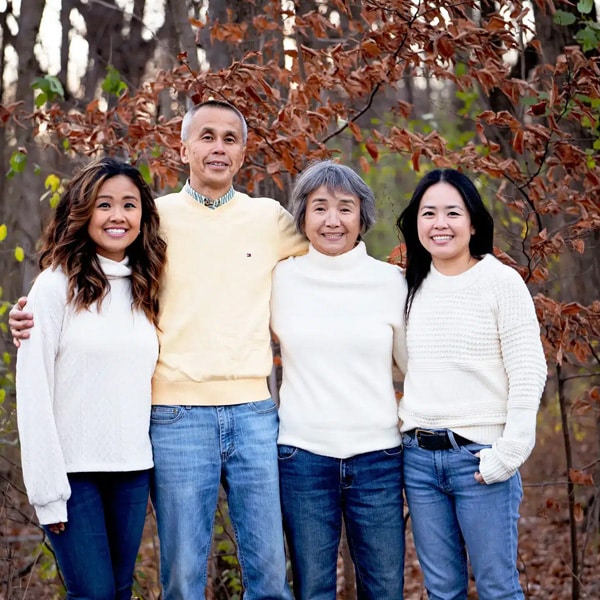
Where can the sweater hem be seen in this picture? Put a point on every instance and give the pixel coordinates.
(209, 393)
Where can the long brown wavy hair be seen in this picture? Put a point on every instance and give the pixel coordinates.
(67, 244)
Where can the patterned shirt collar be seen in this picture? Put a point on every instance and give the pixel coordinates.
(198, 197)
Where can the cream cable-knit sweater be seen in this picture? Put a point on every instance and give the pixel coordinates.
(339, 321)
(475, 363)
(83, 388)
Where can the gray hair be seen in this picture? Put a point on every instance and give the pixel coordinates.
(334, 177)
(189, 115)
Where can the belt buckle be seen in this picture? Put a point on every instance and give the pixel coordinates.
(425, 433)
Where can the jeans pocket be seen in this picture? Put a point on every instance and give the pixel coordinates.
(472, 449)
(286, 452)
(408, 441)
(393, 451)
(165, 415)
(264, 407)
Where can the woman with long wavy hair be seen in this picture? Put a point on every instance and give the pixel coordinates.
(84, 377)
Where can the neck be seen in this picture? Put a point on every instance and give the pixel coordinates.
(210, 192)
(454, 267)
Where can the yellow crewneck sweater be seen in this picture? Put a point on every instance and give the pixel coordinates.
(214, 307)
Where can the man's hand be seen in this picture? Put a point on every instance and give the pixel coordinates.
(19, 321)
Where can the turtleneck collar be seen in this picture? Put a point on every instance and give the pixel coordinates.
(113, 269)
(340, 262)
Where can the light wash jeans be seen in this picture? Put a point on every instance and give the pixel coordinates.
(97, 550)
(452, 515)
(365, 491)
(196, 448)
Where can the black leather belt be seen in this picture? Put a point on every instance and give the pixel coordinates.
(436, 440)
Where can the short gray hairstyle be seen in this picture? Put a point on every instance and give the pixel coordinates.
(335, 178)
(189, 115)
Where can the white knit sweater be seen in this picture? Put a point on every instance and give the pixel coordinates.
(339, 321)
(475, 363)
(83, 388)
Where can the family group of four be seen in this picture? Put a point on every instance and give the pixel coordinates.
(145, 348)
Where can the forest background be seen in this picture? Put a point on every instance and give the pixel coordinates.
(508, 91)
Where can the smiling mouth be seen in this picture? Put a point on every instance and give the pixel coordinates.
(116, 231)
(441, 238)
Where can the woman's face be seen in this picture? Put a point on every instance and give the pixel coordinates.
(332, 221)
(444, 227)
(117, 217)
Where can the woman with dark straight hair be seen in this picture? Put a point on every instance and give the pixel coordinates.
(475, 375)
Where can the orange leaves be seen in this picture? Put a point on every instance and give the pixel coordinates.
(568, 329)
(580, 478)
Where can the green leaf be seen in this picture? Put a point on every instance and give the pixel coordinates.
(50, 88)
(19, 254)
(54, 200)
(588, 38)
(6, 358)
(40, 99)
(562, 17)
(145, 171)
(3, 232)
(597, 144)
(113, 84)
(18, 161)
(2, 395)
(585, 6)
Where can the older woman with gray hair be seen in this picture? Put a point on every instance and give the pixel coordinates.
(338, 315)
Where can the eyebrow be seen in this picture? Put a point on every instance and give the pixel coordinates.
(214, 131)
(449, 206)
(127, 197)
(347, 200)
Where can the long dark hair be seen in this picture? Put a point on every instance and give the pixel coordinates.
(67, 244)
(418, 260)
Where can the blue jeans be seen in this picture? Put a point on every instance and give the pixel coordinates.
(317, 492)
(96, 552)
(452, 515)
(196, 448)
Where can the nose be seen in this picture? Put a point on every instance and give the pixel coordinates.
(117, 214)
(332, 218)
(219, 145)
(440, 221)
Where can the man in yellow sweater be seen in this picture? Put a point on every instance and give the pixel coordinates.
(212, 416)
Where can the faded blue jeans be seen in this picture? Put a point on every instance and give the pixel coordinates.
(365, 491)
(195, 449)
(453, 515)
(97, 550)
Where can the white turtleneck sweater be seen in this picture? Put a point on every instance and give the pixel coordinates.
(339, 321)
(476, 363)
(83, 388)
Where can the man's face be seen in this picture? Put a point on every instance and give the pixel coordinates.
(214, 150)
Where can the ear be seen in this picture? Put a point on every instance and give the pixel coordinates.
(472, 230)
(183, 153)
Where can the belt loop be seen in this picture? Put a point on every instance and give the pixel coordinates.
(450, 434)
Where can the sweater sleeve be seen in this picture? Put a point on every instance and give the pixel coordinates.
(400, 350)
(526, 370)
(44, 471)
(291, 243)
